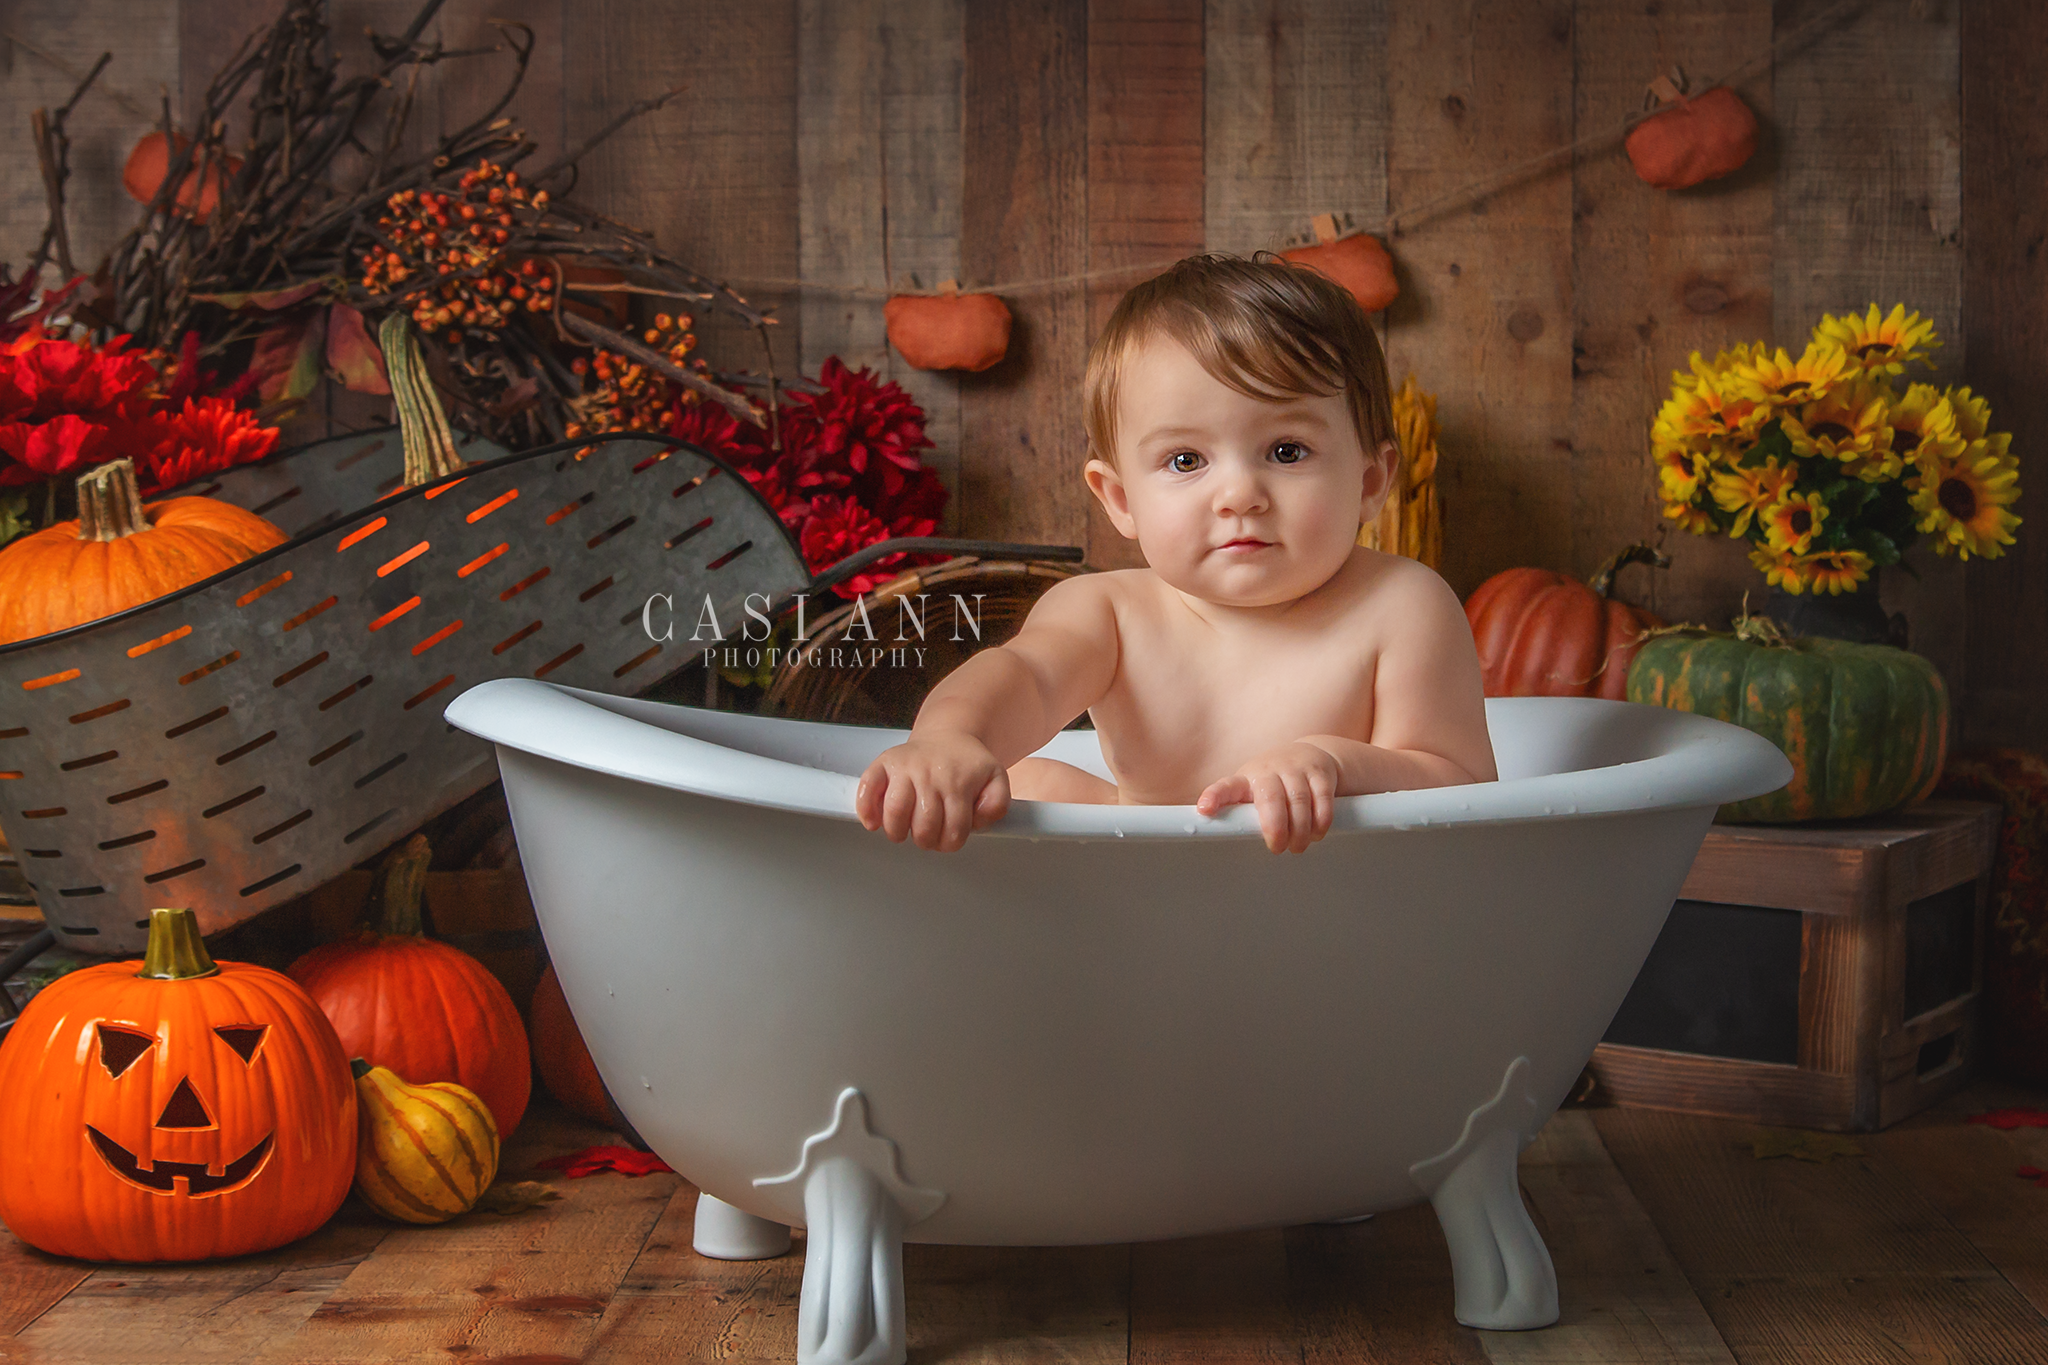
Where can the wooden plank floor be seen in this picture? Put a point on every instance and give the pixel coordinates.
(1673, 1244)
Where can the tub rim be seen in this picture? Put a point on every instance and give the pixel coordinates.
(1697, 761)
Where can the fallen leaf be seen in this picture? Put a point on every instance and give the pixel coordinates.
(516, 1196)
(1802, 1145)
(2012, 1118)
(594, 1160)
(2035, 1174)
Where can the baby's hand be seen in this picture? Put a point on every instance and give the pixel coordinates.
(1294, 787)
(935, 788)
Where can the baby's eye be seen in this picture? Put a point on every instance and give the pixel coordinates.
(1288, 452)
(1184, 462)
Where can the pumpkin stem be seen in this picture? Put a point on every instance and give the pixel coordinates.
(1603, 582)
(422, 423)
(1759, 630)
(176, 952)
(358, 1068)
(110, 502)
(395, 904)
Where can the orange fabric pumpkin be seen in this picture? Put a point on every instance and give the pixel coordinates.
(1545, 634)
(1359, 263)
(150, 161)
(120, 554)
(948, 331)
(560, 1054)
(1700, 138)
(426, 1010)
(184, 1111)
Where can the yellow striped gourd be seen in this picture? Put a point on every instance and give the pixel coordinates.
(424, 1153)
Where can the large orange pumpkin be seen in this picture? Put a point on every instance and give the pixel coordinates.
(120, 554)
(426, 1010)
(562, 1058)
(1545, 634)
(188, 1110)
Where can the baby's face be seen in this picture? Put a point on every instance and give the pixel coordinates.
(1234, 500)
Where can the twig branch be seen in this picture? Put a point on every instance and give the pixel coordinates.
(647, 355)
(646, 106)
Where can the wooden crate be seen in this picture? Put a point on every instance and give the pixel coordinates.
(1820, 976)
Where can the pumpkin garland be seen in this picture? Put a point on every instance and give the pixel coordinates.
(187, 1110)
(426, 1010)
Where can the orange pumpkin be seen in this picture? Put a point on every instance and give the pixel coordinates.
(1359, 263)
(1545, 634)
(188, 1110)
(426, 1010)
(561, 1057)
(1700, 138)
(948, 331)
(120, 554)
(150, 161)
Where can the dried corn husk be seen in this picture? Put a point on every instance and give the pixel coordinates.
(1410, 521)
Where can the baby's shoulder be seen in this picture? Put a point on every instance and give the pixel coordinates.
(1378, 582)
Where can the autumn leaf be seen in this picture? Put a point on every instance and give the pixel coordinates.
(1802, 1145)
(269, 300)
(2035, 1174)
(288, 356)
(2012, 1118)
(14, 518)
(352, 355)
(519, 1196)
(593, 1160)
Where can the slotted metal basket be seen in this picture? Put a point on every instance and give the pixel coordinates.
(237, 743)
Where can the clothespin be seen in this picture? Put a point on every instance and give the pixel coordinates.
(1325, 225)
(949, 287)
(1665, 88)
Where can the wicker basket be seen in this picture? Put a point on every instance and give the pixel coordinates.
(243, 741)
(887, 691)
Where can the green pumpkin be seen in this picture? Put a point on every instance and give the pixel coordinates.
(1866, 726)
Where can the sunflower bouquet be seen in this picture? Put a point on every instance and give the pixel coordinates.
(1824, 464)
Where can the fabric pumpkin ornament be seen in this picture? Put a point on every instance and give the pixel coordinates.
(1545, 634)
(425, 1153)
(1357, 262)
(1700, 138)
(183, 1111)
(120, 554)
(426, 1010)
(948, 330)
(562, 1058)
(1866, 726)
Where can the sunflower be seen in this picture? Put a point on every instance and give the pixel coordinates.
(1791, 524)
(1923, 426)
(1973, 414)
(1689, 518)
(1837, 571)
(1778, 381)
(1880, 345)
(1708, 407)
(1782, 570)
(1681, 466)
(1847, 423)
(1964, 503)
(1748, 490)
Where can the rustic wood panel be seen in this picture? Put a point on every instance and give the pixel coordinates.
(1869, 210)
(1656, 276)
(1812, 1263)
(30, 1285)
(1024, 163)
(1484, 320)
(1145, 182)
(1653, 1078)
(2005, 331)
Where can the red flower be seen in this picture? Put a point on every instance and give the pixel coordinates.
(713, 427)
(836, 527)
(208, 436)
(62, 378)
(860, 434)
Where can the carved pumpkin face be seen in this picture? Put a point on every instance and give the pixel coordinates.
(149, 1119)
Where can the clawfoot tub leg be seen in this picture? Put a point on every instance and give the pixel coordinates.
(1503, 1274)
(856, 1206)
(725, 1233)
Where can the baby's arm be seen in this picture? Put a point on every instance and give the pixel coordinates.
(950, 777)
(1429, 725)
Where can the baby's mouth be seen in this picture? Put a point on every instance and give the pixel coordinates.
(1244, 543)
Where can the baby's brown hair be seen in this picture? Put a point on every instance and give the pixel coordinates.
(1265, 326)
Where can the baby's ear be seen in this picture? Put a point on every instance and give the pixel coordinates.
(1108, 487)
(1381, 471)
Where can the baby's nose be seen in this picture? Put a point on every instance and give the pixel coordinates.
(1240, 491)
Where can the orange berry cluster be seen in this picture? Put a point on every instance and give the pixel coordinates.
(627, 395)
(464, 236)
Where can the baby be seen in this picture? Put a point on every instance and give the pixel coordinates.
(1240, 430)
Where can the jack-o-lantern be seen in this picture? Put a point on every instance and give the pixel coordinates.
(185, 1111)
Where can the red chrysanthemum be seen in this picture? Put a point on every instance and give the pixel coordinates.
(209, 435)
(860, 435)
(62, 378)
(712, 427)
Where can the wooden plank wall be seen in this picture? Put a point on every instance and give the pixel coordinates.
(881, 144)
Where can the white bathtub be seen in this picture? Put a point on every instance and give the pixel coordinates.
(1094, 1023)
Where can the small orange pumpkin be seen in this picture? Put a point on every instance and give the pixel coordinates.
(426, 1010)
(561, 1056)
(1545, 634)
(948, 331)
(188, 1110)
(147, 165)
(1357, 262)
(120, 554)
(1702, 137)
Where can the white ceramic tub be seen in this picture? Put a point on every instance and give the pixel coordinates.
(1094, 1023)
